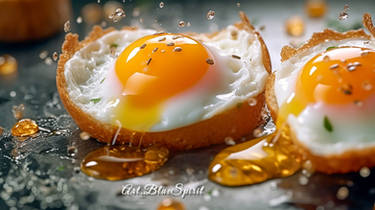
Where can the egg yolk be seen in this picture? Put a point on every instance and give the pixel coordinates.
(155, 68)
(337, 76)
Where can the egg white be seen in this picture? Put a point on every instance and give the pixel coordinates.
(90, 74)
(353, 126)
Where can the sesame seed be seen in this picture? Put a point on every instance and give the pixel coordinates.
(162, 51)
(176, 37)
(347, 89)
(177, 49)
(162, 39)
(236, 57)
(155, 49)
(143, 46)
(210, 61)
(170, 44)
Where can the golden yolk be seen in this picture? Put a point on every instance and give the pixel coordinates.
(155, 68)
(341, 75)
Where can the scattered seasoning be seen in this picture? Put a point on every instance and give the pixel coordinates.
(347, 89)
(95, 100)
(162, 51)
(334, 66)
(149, 61)
(239, 105)
(177, 49)
(55, 56)
(143, 46)
(102, 81)
(176, 37)
(72, 151)
(262, 27)
(330, 48)
(344, 14)
(60, 168)
(113, 45)
(67, 26)
(170, 44)
(155, 49)
(210, 61)
(162, 39)
(161, 5)
(210, 14)
(181, 24)
(236, 57)
(327, 124)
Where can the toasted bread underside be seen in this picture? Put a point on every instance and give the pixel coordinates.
(350, 160)
(235, 123)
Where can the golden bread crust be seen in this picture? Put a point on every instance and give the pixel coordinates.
(348, 161)
(235, 123)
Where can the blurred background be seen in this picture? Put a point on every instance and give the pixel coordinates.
(40, 172)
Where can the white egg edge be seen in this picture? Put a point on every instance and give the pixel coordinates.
(352, 131)
(85, 71)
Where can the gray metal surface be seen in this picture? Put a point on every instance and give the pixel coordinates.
(39, 173)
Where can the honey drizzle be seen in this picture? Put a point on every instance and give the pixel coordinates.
(25, 128)
(258, 160)
(123, 162)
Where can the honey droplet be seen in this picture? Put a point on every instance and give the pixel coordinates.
(24, 128)
(170, 204)
(316, 8)
(8, 65)
(123, 162)
(255, 161)
(295, 26)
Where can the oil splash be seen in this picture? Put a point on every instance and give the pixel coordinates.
(123, 162)
(258, 160)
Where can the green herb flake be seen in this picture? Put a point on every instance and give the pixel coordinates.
(330, 48)
(60, 168)
(327, 124)
(114, 45)
(102, 81)
(95, 100)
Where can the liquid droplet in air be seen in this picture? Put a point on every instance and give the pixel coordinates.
(117, 15)
(181, 24)
(210, 15)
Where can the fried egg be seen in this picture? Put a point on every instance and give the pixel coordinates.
(326, 94)
(146, 81)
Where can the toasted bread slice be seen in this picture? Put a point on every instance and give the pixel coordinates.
(349, 160)
(236, 122)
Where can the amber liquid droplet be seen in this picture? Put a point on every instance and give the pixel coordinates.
(169, 204)
(295, 26)
(24, 128)
(255, 161)
(123, 162)
(8, 65)
(316, 8)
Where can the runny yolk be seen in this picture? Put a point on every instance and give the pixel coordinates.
(341, 75)
(152, 70)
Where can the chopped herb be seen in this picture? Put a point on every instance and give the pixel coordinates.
(331, 48)
(327, 124)
(114, 45)
(102, 81)
(95, 100)
(60, 168)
